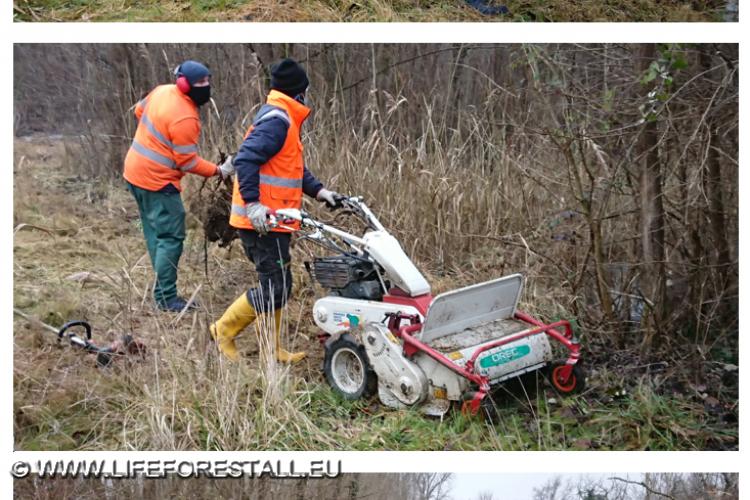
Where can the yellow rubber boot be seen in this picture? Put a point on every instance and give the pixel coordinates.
(237, 316)
(282, 355)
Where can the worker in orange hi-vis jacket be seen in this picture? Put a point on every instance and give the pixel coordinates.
(271, 175)
(164, 149)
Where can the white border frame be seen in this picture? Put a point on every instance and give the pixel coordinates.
(505, 462)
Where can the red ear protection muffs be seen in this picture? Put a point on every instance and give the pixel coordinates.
(183, 84)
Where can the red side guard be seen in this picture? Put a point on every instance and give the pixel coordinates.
(397, 296)
(471, 406)
(413, 345)
(566, 339)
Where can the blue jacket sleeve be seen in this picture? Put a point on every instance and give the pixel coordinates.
(310, 185)
(266, 139)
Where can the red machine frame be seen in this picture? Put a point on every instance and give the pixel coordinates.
(413, 345)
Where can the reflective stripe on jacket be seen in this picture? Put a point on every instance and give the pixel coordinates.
(280, 178)
(165, 146)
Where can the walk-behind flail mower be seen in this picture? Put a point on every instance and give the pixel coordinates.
(384, 332)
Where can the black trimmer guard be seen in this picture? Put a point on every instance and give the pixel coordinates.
(127, 345)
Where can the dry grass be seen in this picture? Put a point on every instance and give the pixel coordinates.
(478, 173)
(184, 396)
(81, 256)
(90, 263)
(365, 11)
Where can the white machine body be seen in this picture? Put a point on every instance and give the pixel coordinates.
(398, 377)
(335, 314)
(377, 245)
(457, 324)
(461, 322)
(387, 251)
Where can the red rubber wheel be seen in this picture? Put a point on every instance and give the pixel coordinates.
(574, 384)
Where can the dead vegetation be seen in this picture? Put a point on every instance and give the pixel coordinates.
(375, 11)
(483, 160)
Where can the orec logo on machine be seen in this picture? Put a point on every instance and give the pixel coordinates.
(504, 356)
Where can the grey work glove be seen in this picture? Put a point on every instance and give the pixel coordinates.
(258, 215)
(227, 168)
(329, 197)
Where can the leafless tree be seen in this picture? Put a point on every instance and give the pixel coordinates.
(649, 486)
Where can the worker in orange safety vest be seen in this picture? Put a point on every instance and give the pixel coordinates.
(271, 174)
(165, 149)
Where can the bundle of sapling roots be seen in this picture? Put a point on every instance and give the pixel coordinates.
(212, 205)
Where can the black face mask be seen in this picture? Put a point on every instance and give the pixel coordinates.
(200, 95)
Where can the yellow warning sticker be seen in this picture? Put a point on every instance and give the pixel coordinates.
(440, 393)
(455, 355)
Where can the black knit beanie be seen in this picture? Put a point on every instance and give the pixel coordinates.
(289, 77)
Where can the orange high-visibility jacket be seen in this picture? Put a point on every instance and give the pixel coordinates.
(281, 176)
(165, 146)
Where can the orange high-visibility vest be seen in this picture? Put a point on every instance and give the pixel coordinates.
(165, 146)
(281, 177)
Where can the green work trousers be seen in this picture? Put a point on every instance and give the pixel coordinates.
(163, 220)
